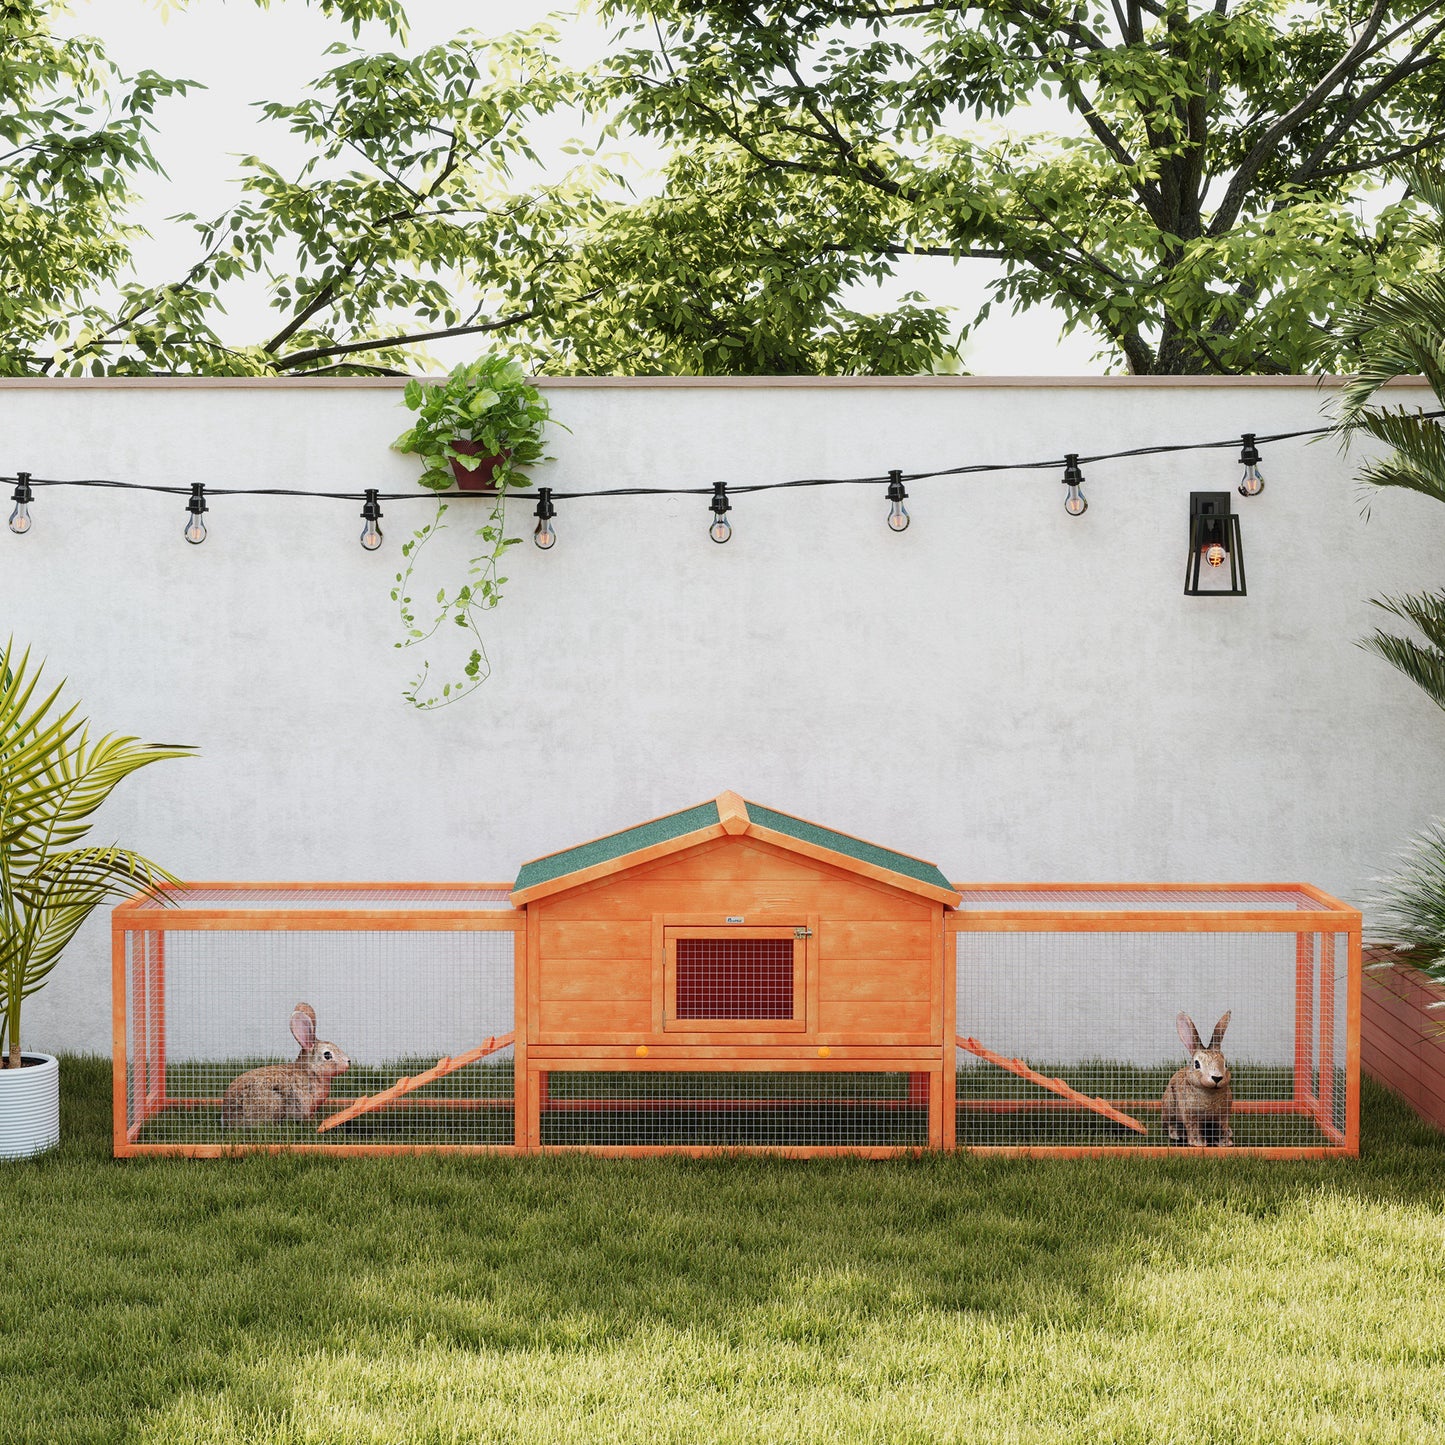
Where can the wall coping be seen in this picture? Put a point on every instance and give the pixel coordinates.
(705, 383)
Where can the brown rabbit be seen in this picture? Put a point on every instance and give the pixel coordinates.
(1198, 1099)
(280, 1093)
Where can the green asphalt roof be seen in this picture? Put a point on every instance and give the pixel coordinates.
(849, 846)
(705, 815)
(615, 845)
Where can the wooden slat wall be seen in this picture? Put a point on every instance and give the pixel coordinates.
(1402, 1039)
(876, 982)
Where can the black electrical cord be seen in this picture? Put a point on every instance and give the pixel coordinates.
(972, 469)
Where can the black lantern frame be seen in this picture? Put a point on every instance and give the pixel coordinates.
(1213, 524)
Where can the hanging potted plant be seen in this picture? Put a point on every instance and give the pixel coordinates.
(478, 431)
(52, 778)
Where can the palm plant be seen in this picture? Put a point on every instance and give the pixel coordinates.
(1410, 911)
(52, 779)
(1402, 332)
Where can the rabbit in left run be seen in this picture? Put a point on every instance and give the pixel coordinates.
(281, 1093)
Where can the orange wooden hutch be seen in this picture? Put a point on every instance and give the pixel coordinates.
(733, 938)
(731, 976)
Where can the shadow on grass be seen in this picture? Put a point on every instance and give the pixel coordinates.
(170, 1299)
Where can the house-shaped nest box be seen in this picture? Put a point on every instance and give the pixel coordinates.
(733, 924)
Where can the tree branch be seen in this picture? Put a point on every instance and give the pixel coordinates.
(1243, 178)
(316, 353)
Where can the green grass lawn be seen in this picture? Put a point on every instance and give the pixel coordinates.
(731, 1299)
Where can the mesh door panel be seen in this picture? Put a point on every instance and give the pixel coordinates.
(734, 978)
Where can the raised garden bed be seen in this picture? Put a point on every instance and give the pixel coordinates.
(1402, 1033)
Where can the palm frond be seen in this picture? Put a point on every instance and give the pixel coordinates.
(1409, 911)
(1424, 666)
(53, 777)
(1424, 610)
(1418, 461)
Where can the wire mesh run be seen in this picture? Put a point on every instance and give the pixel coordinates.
(319, 1037)
(734, 978)
(682, 1109)
(1073, 1040)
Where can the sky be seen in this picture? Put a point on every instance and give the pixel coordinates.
(243, 54)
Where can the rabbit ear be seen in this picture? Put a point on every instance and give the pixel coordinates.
(1188, 1034)
(303, 1025)
(1217, 1037)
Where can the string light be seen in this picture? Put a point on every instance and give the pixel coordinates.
(20, 517)
(544, 534)
(721, 529)
(1075, 502)
(1251, 484)
(371, 515)
(897, 512)
(195, 532)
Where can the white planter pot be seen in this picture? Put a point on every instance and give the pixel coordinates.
(30, 1107)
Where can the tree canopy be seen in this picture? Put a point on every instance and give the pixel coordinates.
(1202, 188)
(1184, 180)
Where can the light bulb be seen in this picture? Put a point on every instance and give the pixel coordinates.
(897, 512)
(1251, 484)
(544, 534)
(371, 535)
(721, 529)
(195, 532)
(1075, 503)
(1215, 555)
(20, 517)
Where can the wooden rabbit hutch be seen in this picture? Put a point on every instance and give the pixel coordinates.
(728, 977)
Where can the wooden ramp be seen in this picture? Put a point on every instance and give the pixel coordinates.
(439, 1070)
(1055, 1086)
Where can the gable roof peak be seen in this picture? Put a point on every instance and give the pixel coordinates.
(728, 815)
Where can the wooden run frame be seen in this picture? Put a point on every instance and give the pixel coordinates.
(1331, 919)
(139, 1088)
(150, 922)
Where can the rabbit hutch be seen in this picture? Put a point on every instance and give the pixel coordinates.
(733, 977)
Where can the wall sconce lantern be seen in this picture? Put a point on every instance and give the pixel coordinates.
(1216, 554)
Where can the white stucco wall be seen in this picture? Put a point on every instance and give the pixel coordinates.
(1009, 691)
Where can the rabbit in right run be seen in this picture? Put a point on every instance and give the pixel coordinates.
(1197, 1099)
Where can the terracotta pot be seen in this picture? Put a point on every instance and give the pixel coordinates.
(481, 479)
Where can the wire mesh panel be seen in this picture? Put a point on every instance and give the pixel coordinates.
(682, 1109)
(734, 978)
(1073, 1039)
(387, 1037)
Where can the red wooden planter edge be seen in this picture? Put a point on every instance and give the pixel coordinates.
(1402, 1043)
